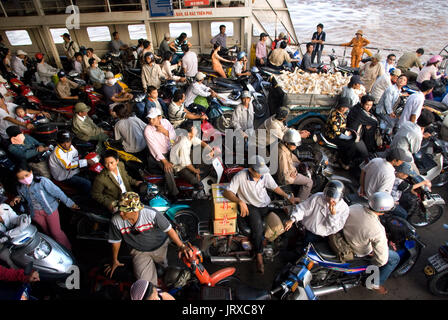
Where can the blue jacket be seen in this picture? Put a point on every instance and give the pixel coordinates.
(25, 151)
(46, 193)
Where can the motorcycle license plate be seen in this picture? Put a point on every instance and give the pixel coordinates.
(438, 262)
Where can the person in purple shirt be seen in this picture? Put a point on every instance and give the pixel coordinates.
(261, 52)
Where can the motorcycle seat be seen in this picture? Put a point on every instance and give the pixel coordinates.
(135, 70)
(328, 143)
(58, 103)
(325, 251)
(245, 292)
(436, 105)
(270, 70)
(206, 69)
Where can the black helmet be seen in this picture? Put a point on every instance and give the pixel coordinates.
(334, 189)
(63, 136)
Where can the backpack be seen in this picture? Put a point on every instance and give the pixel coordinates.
(340, 246)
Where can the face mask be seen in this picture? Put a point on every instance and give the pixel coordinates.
(27, 181)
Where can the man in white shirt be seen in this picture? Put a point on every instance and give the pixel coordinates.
(379, 174)
(248, 189)
(366, 235)
(65, 164)
(410, 135)
(322, 214)
(44, 70)
(18, 64)
(243, 116)
(385, 107)
(189, 62)
(414, 104)
(240, 66)
(384, 82)
(70, 46)
(180, 155)
(198, 88)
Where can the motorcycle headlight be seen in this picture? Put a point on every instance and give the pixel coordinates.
(29, 94)
(42, 250)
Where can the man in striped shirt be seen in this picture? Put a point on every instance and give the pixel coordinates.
(146, 232)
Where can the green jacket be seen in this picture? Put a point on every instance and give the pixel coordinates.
(106, 189)
(86, 129)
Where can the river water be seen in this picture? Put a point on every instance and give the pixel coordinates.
(399, 24)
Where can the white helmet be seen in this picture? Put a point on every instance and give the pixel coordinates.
(292, 136)
(381, 202)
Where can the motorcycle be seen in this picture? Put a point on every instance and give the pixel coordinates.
(427, 209)
(255, 84)
(237, 247)
(436, 271)
(319, 272)
(50, 259)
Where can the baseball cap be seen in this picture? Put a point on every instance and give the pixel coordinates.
(200, 76)
(19, 52)
(258, 164)
(129, 202)
(61, 74)
(153, 113)
(81, 107)
(400, 154)
(245, 94)
(13, 131)
(355, 79)
(139, 288)
(405, 168)
(39, 56)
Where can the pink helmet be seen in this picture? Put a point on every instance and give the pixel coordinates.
(435, 59)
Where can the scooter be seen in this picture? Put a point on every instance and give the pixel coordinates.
(436, 271)
(319, 272)
(50, 259)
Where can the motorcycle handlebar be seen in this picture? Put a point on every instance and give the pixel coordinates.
(277, 290)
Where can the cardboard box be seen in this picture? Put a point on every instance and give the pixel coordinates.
(224, 227)
(222, 207)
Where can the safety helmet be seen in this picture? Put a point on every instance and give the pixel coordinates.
(254, 69)
(334, 189)
(149, 54)
(381, 202)
(435, 59)
(292, 136)
(241, 55)
(63, 136)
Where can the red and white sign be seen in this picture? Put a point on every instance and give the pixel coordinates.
(194, 3)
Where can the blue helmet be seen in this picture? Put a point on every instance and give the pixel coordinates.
(241, 55)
